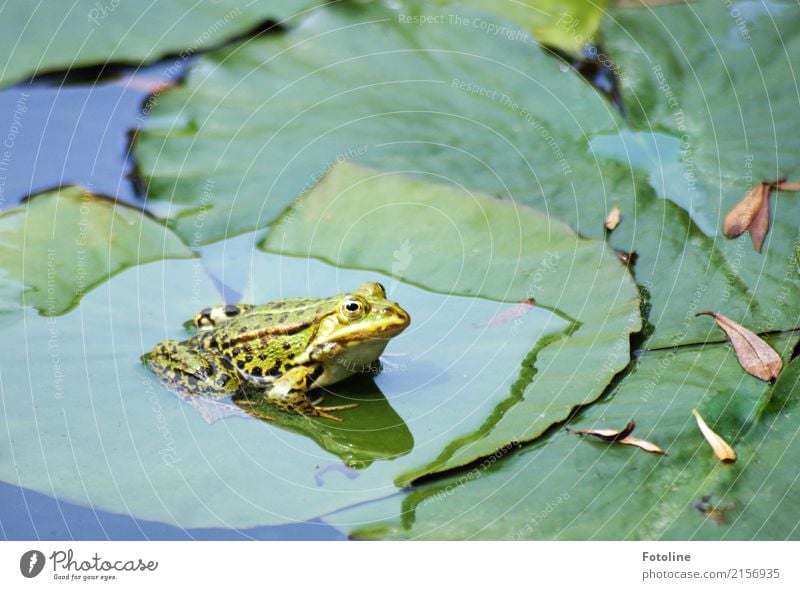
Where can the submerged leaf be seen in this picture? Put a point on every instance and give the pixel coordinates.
(612, 219)
(755, 356)
(512, 313)
(722, 450)
(622, 437)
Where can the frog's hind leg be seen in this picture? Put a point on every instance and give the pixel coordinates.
(211, 317)
(289, 392)
(188, 370)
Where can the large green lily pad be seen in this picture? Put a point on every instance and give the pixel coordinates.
(467, 372)
(568, 487)
(710, 95)
(61, 244)
(115, 438)
(38, 37)
(259, 123)
(459, 243)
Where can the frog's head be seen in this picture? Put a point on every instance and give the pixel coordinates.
(364, 317)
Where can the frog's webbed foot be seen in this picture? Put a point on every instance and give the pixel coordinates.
(252, 408)
(322, 411)
(211, 317)
(190, 371)
(289, 392)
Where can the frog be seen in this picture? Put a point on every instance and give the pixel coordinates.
(280, 352)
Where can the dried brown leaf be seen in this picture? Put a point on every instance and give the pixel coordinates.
(760, 225)
(645, 445)
(612, 219)
(782, 185)
(722, 450)
(755, 356)
(608, 434)
(740, 218)
(622, 437)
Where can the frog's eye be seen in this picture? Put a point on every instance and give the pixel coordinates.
(353, 308)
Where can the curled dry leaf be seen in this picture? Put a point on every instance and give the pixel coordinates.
(755, 356)
(645, 445)
(622, 437)
(722, 450)
(782, 185)
(750, 214)
(612, 219)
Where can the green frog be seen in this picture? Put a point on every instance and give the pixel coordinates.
(281, 350)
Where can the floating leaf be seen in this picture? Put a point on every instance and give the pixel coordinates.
(462, 246)
(722, 450)
(756, 356)
(608, 434)
(566, 24)
(80, 33)
(63, 243)
(622, 437)
(205, 148)
(645, 445)
(748, 213)
(782, 185)
(555, 489)
(612, 219)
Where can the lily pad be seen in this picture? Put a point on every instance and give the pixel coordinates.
(260, 123)
(461, 243)
(63, 243)
(568, 487)
(116, 439)
(708, 89)
(38, 38)
(569, 25)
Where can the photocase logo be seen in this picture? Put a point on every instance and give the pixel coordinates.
(31, 563)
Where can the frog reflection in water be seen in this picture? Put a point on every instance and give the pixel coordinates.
(283, 349)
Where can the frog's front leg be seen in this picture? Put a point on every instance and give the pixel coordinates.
(289, 392)
(191, 370)
(211, 317)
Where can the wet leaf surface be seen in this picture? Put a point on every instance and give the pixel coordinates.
(580, 280)
(61, 244)
(140, 450)
(39, 38)
(557, 489)
(435, 100)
